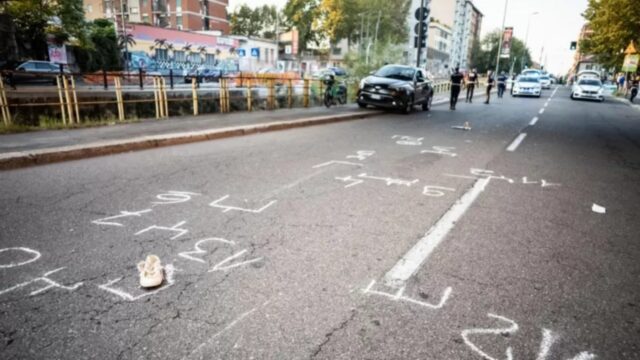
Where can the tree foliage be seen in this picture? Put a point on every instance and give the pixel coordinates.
(614, 23)
(258, 22)
(304, 15)
(484, 54)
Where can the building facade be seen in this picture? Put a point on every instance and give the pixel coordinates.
(581, 60)
(194, 15)
(438, 48)
(466, 29)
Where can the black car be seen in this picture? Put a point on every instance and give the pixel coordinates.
(396, 87)
(203, 74)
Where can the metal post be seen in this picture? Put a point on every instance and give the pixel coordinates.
(104, 79)
(164, 97)
(249, 99)
(140, 79)
(156, 97)
(504, 18)
(6, 114)
(194, 96)
(171, 78)
(75, 98)
(68, 99)
(305, 90)
(290, 94)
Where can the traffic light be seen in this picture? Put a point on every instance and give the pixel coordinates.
(421, 28)
(574, 45)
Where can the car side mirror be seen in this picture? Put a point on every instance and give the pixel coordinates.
(21, 69)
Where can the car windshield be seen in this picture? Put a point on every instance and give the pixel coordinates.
(396, 72)
(545, 78)
(590, 82)
(528, 79)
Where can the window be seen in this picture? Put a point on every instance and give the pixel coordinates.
(179, 56)
(336, 51)
(145, 18)
(43, 66)
(133, 10)
(210, 59)
(178, 5)
(162, 55)
(145, 2)
(179, 21)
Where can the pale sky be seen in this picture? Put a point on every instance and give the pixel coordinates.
(557, 23)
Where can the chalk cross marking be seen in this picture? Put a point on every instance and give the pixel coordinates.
(222, 267)
(123, 214)
(44, 278)
(174, 228)
(389, 181)
(169, 271)
(36, 256)
(226, 208)
(398, 296)
(351, 180)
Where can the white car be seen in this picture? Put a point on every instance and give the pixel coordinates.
(527, 86)
(545, 82)
(531, 73)
(587, 88)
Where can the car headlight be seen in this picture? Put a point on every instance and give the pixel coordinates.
(600, 91)
(363, 82)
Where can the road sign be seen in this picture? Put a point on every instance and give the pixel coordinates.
(255, 52)
(631, 63)
(631, 49)
(241, 52)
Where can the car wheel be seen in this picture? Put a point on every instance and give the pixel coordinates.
(408, 106)
(571, 96)
(427, 105)
(362, 105)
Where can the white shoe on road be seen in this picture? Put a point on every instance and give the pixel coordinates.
(151, 272)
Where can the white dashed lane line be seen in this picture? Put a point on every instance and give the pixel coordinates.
(514, 145)
(541, 111)
(533, 121)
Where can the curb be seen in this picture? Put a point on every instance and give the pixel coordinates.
(20, 159)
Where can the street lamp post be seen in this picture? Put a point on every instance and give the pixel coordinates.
(504, 18)
(526, 37)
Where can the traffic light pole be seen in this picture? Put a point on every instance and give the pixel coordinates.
(420, 22)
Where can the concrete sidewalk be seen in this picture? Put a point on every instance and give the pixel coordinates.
(47, 146)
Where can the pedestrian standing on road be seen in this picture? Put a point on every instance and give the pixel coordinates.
(472, 80)
(502, 84)
(457, 81)
(634, 89)
(490, 82)
(621, 82)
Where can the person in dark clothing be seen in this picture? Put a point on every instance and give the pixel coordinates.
(457, 80)
(502, 84)
(490, 83)
(472, 80)
(634, 89)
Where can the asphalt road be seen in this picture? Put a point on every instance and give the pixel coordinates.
(420, 241)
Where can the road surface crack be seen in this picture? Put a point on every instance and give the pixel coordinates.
(330, 334)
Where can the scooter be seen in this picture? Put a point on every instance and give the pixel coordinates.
(334, 94)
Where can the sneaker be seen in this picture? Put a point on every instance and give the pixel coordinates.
(151, 272)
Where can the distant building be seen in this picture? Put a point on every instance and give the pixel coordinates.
(438, 48)
(466, 29)
(256, 54)
(194, 15)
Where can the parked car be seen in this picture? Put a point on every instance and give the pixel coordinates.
(203, 74)
(527, 86)
(34, 71)
(396, 87)
(545, 82)
(587, 88)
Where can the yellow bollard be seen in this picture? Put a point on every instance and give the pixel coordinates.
(6, 112)
(164, 97)
(290, 94)
(194, 95)
(155, 97)
(60, 96)
(75, 98)
(249, 99)
(305, 90)
(68, 99)
(119, 99)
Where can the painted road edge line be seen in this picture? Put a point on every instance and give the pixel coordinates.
(415, 257)
(533, 121)
(514, 145)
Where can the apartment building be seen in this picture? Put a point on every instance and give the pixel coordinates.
(467, 22)
(194, 15)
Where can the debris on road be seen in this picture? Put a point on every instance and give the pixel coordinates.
(151, 274)
(466, 126)
(598, 209)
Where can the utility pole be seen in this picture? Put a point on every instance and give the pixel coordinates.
(526, 38)
(375, 39)
(504, 18)
(277, 39)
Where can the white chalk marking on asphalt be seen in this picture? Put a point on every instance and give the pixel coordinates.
(533, 121)
(548, 184)
(220, 266)
(198, 250)
(527, 182)
(292, 184)
(514, 145)
(408, 140)
(598, 209)
(231, 324)
(361, 155)
(229, 208)
(169, 271)
(43, 278)
(335, 162)
(122, 214)
(36, 256)
(353, 182)
(584, 356)
(175, 228)
(441, 150)
(174, 197)
(435, 191)
(499, 331)
(541, 111)
(398, 296)
(545, 346)
(389, 181)
(411, 261)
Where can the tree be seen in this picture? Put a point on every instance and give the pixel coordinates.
(104, 53)
(260, 21)
(614, 23)
(484, 54)
(30, 19)
(304, 15)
